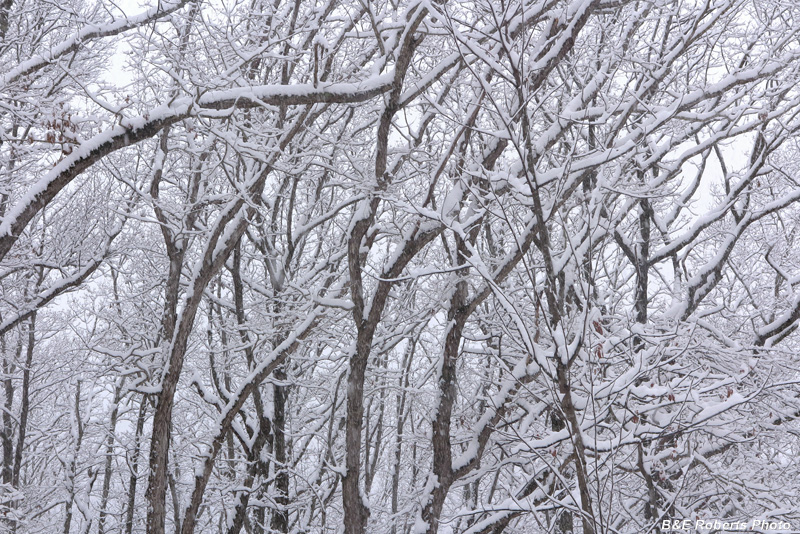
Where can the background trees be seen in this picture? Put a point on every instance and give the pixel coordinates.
(397, 267)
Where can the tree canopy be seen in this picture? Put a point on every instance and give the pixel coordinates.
(437, 266)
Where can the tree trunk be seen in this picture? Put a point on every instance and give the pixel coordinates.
(101, 521)
(135, 466)
(73, 462)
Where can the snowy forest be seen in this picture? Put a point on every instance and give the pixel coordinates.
(399, 266)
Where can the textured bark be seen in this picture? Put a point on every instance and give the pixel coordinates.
(162, 418)
(257, 469)
(109, 452)
(176, 504)
(214, 256)
(230, 411)
(69, 482)
(568, 408)
(443, 475)
(162, 421)
(400, 422)
(131, 504)
(24, 402)
(5, 8)
(457, 314)
(642, 266)
(356, 513)
(280, 517)
(8, 429)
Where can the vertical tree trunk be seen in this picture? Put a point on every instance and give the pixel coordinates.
(5, 8)
(137, 440)
(259, 463)
(356, 512)
(371, 465)
(112, 426)
(24, 402)
(401, 417)
(280, 517)
(159, 450)
(442, 453)
(176, 505)
(7, 431)
(642, 266)
(8, 401)
(73, 462)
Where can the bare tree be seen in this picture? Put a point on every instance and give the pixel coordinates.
(397, 266)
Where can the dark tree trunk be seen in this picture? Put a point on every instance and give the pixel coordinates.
(137, 440)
